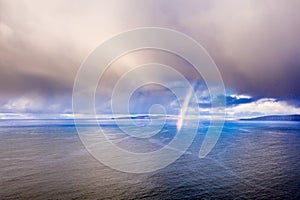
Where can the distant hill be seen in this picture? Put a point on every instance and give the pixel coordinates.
(133, 117)
(276, 118)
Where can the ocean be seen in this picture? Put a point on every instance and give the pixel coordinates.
(45, 159)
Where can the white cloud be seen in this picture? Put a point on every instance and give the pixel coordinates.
(23, 104)
(33, 103)
(240, 96)
(265, 106)
(261, 107)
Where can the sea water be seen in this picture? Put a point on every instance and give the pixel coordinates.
(45, 159)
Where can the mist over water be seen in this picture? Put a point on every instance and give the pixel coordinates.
(45, 159)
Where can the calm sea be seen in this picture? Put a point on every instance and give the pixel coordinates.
(45, 159)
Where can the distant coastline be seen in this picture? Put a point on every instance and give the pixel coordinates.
(275, 118)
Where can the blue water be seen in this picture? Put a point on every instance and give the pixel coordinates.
(45, 159)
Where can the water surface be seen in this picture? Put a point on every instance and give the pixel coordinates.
(46, 160)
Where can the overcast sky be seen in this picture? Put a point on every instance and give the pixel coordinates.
(255, 44)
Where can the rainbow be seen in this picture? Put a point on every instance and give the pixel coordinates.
(184, 108)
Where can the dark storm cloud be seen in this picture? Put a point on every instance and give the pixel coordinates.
(255, 44)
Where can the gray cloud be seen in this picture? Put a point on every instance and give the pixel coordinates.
(256, 44)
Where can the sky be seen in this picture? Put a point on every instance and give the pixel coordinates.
(255, 44)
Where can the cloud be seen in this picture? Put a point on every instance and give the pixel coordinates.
(255, 44)
(240, 96)
(261, 107)
(242, 106)
(236, 99)
(36, 104)
(23, 105)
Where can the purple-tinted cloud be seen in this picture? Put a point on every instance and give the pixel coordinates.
(255, 44)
